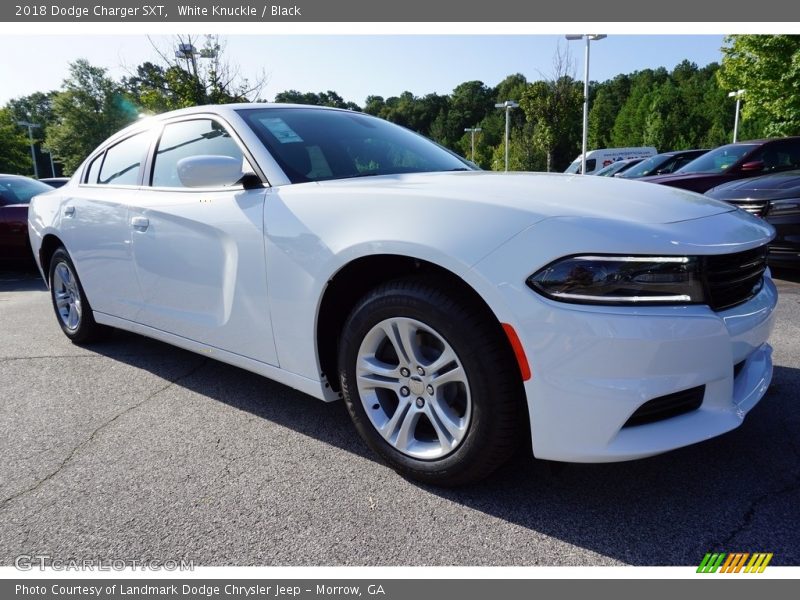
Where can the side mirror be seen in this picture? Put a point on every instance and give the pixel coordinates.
(753, 165)
(209, 171)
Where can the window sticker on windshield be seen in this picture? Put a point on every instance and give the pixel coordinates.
(282, 132)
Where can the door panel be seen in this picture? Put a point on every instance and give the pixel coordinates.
(201, 266)
(95, 231)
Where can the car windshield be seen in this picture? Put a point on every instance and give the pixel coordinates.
(618, 168)
(646, 167)
(610, 169)
(316, 145)
(20, 190)
(717, 160)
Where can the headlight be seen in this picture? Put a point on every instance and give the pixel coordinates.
(781, 208)
(621, 280)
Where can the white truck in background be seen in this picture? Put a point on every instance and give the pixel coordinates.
(597, 159)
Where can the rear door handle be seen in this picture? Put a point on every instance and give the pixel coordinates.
(140, 223)
(69, 211)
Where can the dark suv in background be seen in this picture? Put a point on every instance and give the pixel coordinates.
(776, 199)
(732, 162)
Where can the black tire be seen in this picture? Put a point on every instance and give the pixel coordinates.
(85, 330)
(495, 387)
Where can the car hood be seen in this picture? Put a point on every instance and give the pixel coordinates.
(776, 185)
(543, 195)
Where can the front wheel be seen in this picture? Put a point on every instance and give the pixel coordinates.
(69, 301)
(430, 383)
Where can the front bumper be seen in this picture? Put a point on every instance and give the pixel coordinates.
(594, 366)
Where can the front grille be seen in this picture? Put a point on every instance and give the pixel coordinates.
(734, 278)
(666, 407)
(754, 207)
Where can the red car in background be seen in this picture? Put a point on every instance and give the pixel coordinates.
(732, 162)
(15, 195)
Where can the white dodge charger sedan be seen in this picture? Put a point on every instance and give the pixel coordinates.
(458, 313)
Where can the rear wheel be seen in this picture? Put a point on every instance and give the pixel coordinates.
(72, 309)
(430, 383)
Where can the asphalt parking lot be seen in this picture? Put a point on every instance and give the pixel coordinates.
(134, 449)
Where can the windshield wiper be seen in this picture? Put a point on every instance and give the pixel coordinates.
(363, 175)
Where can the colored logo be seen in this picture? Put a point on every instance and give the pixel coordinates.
(735, 562)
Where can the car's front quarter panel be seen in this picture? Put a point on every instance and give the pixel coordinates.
(593, 366)
(313, 232)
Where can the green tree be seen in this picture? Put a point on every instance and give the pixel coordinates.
(469, 103)
(606, 100)
(89, 108)
(554, 107)
(205, 76)
(35, 108)
(15, 154)
(329, 98)
(631, 122)
(768, 68)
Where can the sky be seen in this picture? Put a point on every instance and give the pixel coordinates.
(355, 66)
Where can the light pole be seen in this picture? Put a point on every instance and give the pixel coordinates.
(30, 127)
(738, 95)
(189, 53)
(589, 37)
(472, 131)
(508, 105)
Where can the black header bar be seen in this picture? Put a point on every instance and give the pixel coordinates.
(459, 11)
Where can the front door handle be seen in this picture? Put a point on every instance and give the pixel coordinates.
(140, 223)
(69, 211)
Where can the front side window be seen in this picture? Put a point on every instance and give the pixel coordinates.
(316, 145)
(123, 161)
(780, 156)
(187, 139)
(717, 161)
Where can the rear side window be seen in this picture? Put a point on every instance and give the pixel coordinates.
(94, 170)
(198, 137)
(123, 161)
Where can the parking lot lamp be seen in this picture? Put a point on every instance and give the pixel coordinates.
(508, 106)
(472, 131)
(738, 95)
(589, 37)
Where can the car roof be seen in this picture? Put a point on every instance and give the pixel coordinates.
(218, 109)
(763, 140)
(674, 152)
(13, 176)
